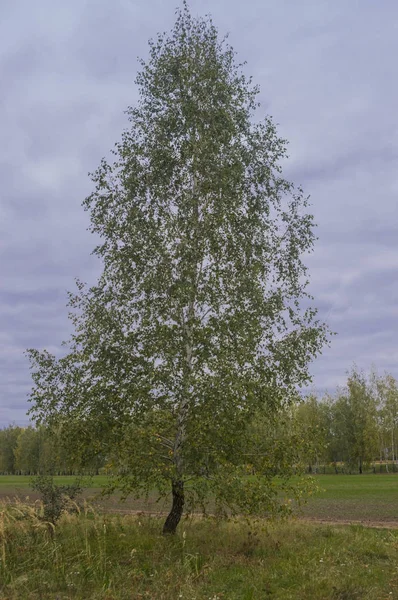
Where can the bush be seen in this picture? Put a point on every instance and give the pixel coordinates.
(55, 498)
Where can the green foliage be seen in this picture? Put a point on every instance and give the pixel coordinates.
(353, 428)
(360, 408)
(196, 324)
(8, 443)
(311, 424)
(386, 391)
(351, 423)
(323, 435)
(55, 498)
(30, 451)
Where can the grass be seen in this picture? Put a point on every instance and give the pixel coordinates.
(114, 557)
(355, 497)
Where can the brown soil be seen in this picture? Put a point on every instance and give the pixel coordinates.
(133, 507)
(364, 522)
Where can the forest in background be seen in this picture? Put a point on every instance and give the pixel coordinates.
(352, 431)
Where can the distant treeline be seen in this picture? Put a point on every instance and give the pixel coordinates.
(30, 451)
(356, 428)
(350, 431)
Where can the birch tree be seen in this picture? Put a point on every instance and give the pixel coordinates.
(197, 321)
(312, 423)
(359, 426)
(387, 395)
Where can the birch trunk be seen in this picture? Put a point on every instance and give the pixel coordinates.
(178, 496)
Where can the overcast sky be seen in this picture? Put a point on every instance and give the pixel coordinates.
(328, 75)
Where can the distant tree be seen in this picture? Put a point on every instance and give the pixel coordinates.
(27, 451)
(358, 421)
(333, 412)
(8, 443)
(196, 323)
(311, 422)
(40, 451)
(386, 389)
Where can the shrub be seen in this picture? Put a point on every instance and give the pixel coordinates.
(55, 498)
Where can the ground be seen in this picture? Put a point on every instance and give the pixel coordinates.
(367, 499)
(113, 553)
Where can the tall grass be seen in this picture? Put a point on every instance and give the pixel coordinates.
(91, 556)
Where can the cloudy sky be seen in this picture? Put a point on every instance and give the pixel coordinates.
(328, 76)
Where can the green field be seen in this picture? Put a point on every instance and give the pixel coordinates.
(355, 497)
(341, 497)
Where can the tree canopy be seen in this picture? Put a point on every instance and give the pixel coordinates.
(197, 322)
